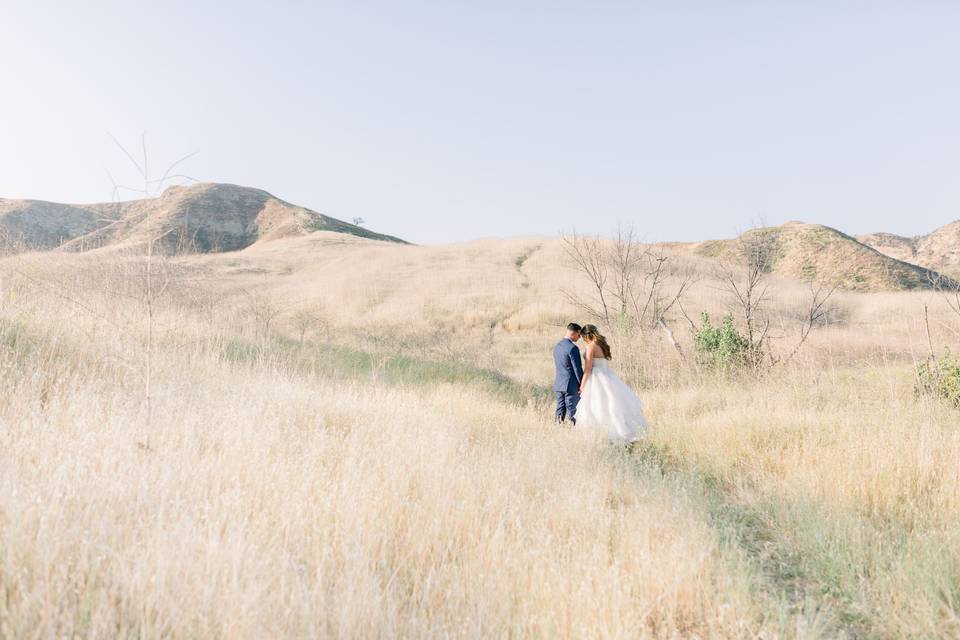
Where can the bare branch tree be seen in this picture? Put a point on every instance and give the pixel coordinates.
(635, 284)
(745, 271)
(651, 300)
(816, 311)
(625, 259)
(263, 311)
(590, 259)
(653, 277)
(169, 176)
(309, 320)
(948, 288)
(140, 169)
(151, 186)
(744, 275)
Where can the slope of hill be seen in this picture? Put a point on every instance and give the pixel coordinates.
(201, 218)
(217, 217)
(38, 225)
(813, 251)
(938, 250)
(890, 244)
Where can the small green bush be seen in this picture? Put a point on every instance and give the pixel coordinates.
(720, 347)
(940, 377)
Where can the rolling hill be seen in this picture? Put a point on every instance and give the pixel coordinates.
(817, 252)
(39, 225)
(199, 218)
(209, 218)
(938, 250)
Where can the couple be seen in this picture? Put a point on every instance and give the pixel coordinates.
(591, 393)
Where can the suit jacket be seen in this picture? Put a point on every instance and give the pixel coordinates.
(566, 355)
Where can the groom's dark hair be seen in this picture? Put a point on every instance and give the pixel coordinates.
(573, 326)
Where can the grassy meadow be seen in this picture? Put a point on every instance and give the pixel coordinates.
(332, 437)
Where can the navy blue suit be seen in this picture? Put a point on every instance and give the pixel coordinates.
(566, 355)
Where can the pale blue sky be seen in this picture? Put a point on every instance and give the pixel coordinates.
(441, 121)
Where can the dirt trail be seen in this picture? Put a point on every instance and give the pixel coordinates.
(522, 260)
(525, 282)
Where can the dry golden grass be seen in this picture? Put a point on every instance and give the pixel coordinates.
(398, 474)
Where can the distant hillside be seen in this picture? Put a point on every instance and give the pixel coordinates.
(813, 251)
(201, 218)
(34, 224)
(939, 250)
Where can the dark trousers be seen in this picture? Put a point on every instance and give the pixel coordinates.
(567, 406)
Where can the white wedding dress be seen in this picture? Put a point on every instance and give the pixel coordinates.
(608, 405)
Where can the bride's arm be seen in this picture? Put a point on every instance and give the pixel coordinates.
(587, 369)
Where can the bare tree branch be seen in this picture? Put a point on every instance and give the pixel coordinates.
(146, 172)
(948, 288)
(166, 174)
(143, 168)
(136, 164)
(635, 284)
(745, 280)
(589, 256)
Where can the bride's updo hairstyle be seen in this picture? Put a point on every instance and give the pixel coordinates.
(590, 333)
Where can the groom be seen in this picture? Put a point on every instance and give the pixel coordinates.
(566, 356)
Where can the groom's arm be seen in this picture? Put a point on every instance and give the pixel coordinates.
(577, 364)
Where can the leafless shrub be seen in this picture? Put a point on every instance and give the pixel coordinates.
(745, 275)
(11, 243)
(262, 310)
(591, 259)
(949, 291)
(948, 288)
(817, 311)
(633, 285)
(311, 320)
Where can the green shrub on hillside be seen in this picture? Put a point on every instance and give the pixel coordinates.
(940, 377)
(720, 347)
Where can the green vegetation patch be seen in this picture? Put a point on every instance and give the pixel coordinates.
(721, 347)
(940, 378)
(341, 362)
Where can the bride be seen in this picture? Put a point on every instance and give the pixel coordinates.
(606, 403)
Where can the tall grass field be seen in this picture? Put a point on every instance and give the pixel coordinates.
(334, 437)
